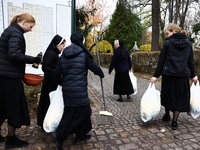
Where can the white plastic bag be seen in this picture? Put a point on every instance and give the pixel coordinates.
(55, 110)
(194, 100)
(133, 81)
(150, 103)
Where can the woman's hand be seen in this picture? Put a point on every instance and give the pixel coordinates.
(195, 79)
(153, 79)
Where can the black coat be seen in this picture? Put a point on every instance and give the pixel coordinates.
(176, 57)
(50, 60)
(120, 64)
(73, 65)
(12, 52)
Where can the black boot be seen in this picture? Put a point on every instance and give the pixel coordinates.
(78, 139)
(86, 137)
(166, 118)
(82, 138)
(58, 141)
(120, 100)
(174, 125)
(13, 141)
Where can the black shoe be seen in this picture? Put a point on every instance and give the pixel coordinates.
(128, 97)
(86, 137)
(58, 141)
(77, 140)
(174, 125)
(120, 100)
(166, 118)
(2, 139)
(82, 138)
(13, 141)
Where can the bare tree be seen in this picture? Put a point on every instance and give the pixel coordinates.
(181, 13)
(181, 9)
(162, 22)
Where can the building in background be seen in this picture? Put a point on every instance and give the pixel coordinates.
(52, 17)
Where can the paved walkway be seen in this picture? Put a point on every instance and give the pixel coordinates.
(128, 132)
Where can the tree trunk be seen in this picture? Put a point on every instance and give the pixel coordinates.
(170, 10)
(182, 17)
(177, 6)
(155, 25)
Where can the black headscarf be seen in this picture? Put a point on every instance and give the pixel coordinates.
(57, 40)
(77, 38)
(123, 50)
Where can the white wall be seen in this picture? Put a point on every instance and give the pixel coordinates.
(52, 17)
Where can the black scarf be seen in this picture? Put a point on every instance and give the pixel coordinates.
(123, 50)
(77, 38)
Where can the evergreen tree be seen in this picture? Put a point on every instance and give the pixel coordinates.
(196, 28)
(124, 25)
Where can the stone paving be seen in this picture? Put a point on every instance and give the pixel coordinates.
(128, 132)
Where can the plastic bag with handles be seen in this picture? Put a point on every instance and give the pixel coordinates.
(55, 110)
(150, 103)
(194, 100)
(133, 81)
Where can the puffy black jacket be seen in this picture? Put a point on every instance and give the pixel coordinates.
(12, 52)
(176, 57)
(73, 65)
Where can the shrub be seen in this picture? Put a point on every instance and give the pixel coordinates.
(104, 47)
(146, 48)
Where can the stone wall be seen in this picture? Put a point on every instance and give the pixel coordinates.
(147, 61)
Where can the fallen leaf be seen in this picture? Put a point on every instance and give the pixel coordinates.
(162, 130)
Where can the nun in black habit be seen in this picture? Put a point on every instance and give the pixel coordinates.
(121, 62)
(49, 84)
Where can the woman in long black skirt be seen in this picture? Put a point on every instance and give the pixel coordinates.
(121, 61)
(176, 64)
(13, 106)
(71, 72)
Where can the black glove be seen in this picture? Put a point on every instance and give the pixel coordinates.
(37, 60)
(102, 75)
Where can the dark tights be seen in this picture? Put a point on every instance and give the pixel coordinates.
(175, 114)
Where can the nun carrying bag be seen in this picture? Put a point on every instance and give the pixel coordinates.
(133, 81)
(55, 110)
(150, 103)
(194, 100)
